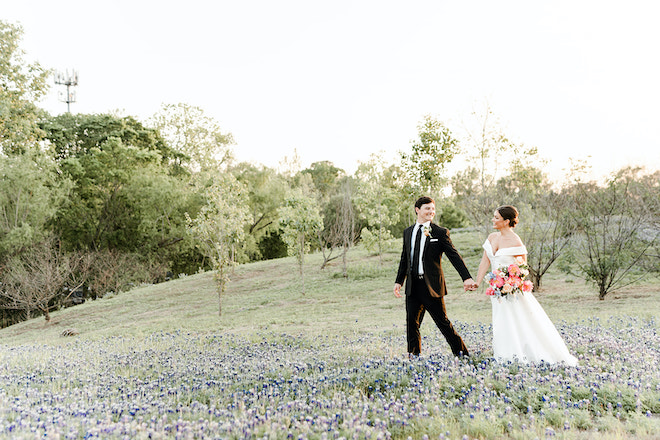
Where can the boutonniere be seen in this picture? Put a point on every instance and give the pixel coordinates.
(427, 231)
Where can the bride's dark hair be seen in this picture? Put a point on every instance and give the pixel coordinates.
(510, 213)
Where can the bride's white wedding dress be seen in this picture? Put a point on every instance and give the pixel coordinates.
(521, 329)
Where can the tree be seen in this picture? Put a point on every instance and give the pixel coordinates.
(220, 226)
(542, 212)
(492, 157)
(127, 195)
(377, 202)
(31, 192)
(98, 215)
(75, 136)
(325, 177)
(32, 280)
(545, 232)
(300, 221)
(340, 222)
(648, 188)
(21, 86)
(614, 230)
(451, 216)
(266, 193)
(159, 202)
(425, 164)
(197, 138)
(345, 225)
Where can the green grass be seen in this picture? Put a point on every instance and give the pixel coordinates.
(344, 339)
(266, 297)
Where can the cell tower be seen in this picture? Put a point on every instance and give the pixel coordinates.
(69, 80)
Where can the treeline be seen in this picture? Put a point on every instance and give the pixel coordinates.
(95, 204)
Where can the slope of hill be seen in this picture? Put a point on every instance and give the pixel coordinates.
(267, 297)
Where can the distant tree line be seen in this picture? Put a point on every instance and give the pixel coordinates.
(95, 204)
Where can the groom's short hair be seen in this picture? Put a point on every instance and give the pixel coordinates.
(423, 201)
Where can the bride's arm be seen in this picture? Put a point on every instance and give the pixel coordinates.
(483, 268)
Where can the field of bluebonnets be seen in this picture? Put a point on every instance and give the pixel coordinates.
(158, 362)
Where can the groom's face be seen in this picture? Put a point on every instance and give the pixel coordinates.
(425, 213)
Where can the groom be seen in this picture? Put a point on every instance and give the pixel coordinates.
(421, 264)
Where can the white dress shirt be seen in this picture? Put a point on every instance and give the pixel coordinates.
(421, 245)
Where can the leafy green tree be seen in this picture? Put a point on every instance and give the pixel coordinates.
(75, 136)
(196, 137)
(524, 184)
(326, 178)
(402, 199)
(97, 216)
(159, 202)
(334, 191)
(109, 158)
(425, 163)
(31, 192)
(266, 192)
(300, 221)
(129, 195)
(21, 86)
(220, 226)
(376, 202)
(449, 215)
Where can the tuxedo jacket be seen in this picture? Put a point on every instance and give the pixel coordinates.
(437, 244)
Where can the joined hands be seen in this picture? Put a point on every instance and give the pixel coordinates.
(469, 284)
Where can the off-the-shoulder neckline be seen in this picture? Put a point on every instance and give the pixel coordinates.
(500, 249)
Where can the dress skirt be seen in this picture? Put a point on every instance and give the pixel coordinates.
(522, 331)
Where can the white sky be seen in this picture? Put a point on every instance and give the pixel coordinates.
(339, 80)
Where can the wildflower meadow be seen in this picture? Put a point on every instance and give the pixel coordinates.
(325, 365)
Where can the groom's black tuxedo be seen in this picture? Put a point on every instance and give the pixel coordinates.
(426, 293)
(436, 244)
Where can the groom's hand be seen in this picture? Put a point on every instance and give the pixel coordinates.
(397, 290)
(469, 284)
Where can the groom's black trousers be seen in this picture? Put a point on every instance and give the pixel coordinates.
(417, 302)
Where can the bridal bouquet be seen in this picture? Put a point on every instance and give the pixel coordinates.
(509, 280)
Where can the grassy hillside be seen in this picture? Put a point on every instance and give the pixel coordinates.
(266, 297)
(158, 362)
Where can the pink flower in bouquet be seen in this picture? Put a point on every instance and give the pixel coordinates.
(508, 280)
(515, 281)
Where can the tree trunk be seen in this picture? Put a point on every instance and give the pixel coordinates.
(221, 288)
(302, 262)
(536, 279)
(344, 262)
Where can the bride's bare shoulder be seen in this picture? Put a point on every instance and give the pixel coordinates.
(518, 240)
(493, 236)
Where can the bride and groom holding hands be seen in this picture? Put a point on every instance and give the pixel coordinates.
(521, 329)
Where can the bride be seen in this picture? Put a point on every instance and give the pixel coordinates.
(521, 329)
